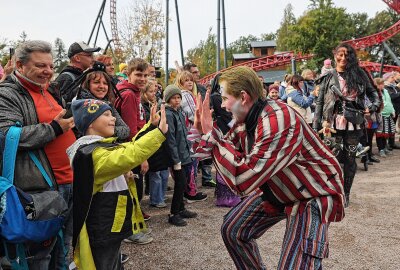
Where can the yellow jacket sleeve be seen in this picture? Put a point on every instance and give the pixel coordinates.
(112, 162)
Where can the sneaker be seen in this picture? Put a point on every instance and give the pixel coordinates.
(199, 197)
(187, 214)
(387, 151)
(124, 258)
(177, 220)
(159, 205)
(361, 151)
(210, 183)
(374, 159)
(139, 239)
(382, 153)
(146, 217)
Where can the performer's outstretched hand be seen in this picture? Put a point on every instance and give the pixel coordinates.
(206, 114)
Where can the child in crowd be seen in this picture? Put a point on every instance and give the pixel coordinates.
(387, 127)
(185, 82)
(158, 163)
(97, 85)
(327, 67)
(180, 153)
(273, 91)
(105, 205)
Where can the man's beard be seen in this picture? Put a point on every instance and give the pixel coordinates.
(238, 111)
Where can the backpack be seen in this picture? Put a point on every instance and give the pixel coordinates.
(26, 217)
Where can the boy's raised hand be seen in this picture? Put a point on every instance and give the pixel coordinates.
(154, 116)
(163, 126)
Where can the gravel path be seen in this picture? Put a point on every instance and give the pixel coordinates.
(368, 238)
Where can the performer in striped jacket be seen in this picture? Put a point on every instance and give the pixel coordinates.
(275, 159)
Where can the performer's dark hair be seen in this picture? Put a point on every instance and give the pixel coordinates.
(353, 74)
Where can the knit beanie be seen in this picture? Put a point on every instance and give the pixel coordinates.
(170, 91)
(85, 111)
(387, 75)
(122, 66)
(327, 62)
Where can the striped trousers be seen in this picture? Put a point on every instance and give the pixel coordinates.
(304, 246)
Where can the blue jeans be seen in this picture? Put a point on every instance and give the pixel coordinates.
(206, 167)
(66, 192)
(158, 186)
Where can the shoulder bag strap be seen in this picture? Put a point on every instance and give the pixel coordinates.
(10, 152)
(41, 169)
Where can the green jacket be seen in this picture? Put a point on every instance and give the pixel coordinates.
(94, 165)
(388, 108)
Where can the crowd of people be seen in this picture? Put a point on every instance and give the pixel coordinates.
(106, 138)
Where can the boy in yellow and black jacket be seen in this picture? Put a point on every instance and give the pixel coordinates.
(105, 206)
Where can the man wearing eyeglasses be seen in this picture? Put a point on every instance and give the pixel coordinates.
(81, 58)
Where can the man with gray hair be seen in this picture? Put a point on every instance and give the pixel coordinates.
(24, 98)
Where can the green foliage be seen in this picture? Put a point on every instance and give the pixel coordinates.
(285, 31)
(204, 55)
(59, 55)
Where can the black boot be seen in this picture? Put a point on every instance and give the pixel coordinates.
(347, 202)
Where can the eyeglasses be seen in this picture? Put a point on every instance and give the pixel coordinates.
(87, 54)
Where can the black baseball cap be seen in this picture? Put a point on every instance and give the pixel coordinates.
(78, 47)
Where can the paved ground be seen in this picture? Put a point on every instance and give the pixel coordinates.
(368, 238)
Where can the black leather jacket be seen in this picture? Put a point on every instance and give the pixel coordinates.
(325, 105)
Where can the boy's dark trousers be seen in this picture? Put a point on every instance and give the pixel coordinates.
(107, 256)
(177, 204)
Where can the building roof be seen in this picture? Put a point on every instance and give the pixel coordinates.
(262, 44)
(238, 56)
(272, 75)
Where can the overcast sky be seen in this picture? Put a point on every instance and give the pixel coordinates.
(73, 20)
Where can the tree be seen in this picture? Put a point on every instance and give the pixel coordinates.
(60, 55)
(318, 31)
(141, 21)
(204, 54)
(284, 32)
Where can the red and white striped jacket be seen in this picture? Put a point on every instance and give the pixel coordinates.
(287, 155)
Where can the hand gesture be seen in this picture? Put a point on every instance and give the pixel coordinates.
(205, 114)
(163, 126)
(65, 124)
(154, 116)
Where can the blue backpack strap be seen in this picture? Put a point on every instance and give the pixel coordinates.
(10, 152)
(41, 169)
(9, 156)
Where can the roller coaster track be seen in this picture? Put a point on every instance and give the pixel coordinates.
(264, 63)
(376, 67)
(114, 26)
(368, 41)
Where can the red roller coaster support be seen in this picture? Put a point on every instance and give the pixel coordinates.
(375, 67)
(264, 63)
(380, 37)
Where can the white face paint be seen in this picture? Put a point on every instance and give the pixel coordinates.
(232, 104)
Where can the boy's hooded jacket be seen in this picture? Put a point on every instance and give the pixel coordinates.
(99, 165)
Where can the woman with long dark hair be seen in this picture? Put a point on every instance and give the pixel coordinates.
(340, 104)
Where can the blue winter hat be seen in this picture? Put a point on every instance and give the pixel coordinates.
(85, 111)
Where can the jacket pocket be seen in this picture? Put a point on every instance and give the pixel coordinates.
(120, 213)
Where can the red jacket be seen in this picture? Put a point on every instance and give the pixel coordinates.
(130, 107)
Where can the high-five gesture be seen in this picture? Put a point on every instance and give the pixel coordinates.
(163, 126)
(203, 118)
(154, 115)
